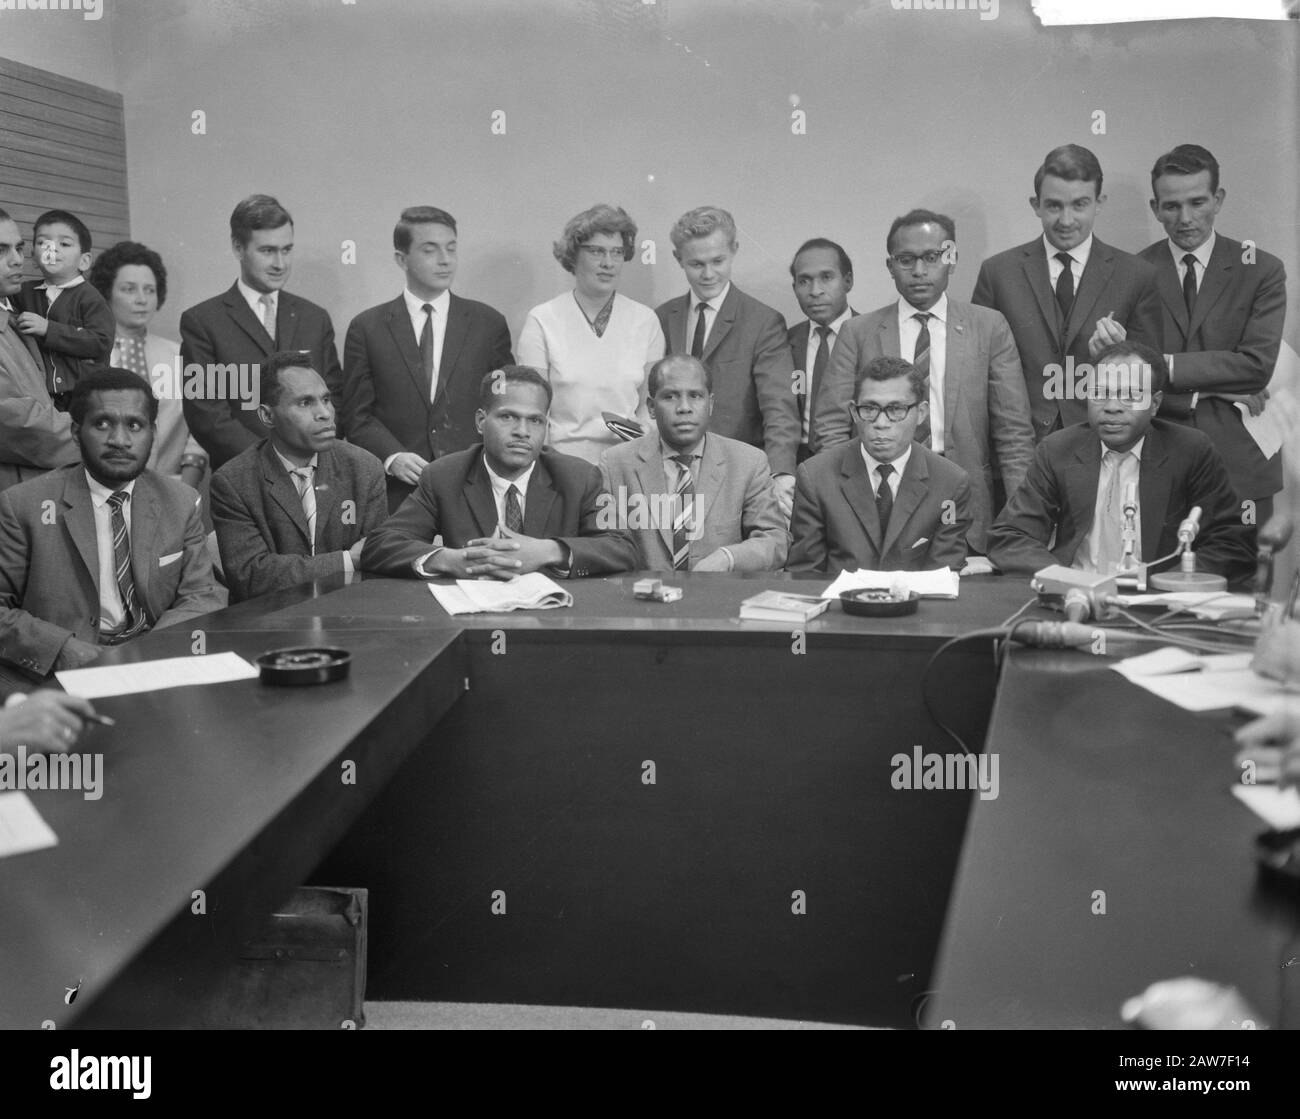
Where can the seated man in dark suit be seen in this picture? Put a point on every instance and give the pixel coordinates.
(1083, 477)
(298, 505)
(882, 502)
(104, 550)
(694, 500)
(412, 365)
(504, 507)
(230, 335)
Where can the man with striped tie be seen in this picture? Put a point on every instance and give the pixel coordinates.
(104, 550)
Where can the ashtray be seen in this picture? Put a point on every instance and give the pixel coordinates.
(868, 602)
(304, 665)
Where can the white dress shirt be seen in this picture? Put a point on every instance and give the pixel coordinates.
(499, 487)
(441, 306)
(254, 301)
(909, 330)
(1202, 256)
(710, 316)
(810, 357)
(874, 464)
(112, 614)
(1088, 557)
(1078, 261)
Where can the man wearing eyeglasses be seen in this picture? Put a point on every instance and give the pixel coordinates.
(1115, 490)
(884, 501)
(977, 395)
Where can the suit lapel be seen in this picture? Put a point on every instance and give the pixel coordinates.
(1034, 265)
(954, 365)
(399, 327)
(855, 485)
(676, 333)
(891, 344)
(912, 488)
(1081, 477)
(713, 473)
(286, 322)
(538, 502)
(282, 490)
(79, 518)
(1213, 284)
(651, 480)
(726, 317)
(1154, 486)
(327, 490)
(453, 342)
(1170, 290)
(1096, 277)
(242, 316)
(478, 496)
(145, 513)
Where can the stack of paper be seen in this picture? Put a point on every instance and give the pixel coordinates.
(776, 606)
(489, 596)
(940, 583)
(150, 676)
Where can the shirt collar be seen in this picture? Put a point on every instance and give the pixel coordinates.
(1202, 254)
(100, 493)
(500, 484)
(72, 283)
(254, 298)
(1080, 252)
(899, 464)
(1135, 450)
(939, 310)
(290, 467)
(834, 324)
(716, 302)
(415, 305)
(669, 453)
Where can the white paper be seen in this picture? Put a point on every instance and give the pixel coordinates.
(1171, 659)
(533, 591)
(1278, 808)
(152, 676)
(21, 826)
(1266, 429)
(1217, 691)
(943, 582)
(1211, 605)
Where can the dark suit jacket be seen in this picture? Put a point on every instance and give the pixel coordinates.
(1016, 283)
(261, 526)
(836, 528)
(797, 336)
(49, 573)
(386, 405)
(79, 335)
(984, 401)
(224, 330)
(34, 437)
(1180, 468)
(748, 354)
(565, 501)
(1229, 345)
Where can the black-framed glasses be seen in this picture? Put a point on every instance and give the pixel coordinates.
(908, 260)
(894, 412)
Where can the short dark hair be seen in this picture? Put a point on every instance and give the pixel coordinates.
(1144, 353)
(257, 211)
(1186, 159)
(269, 386)
(885, 368)
(4, 214)
(921, 217)
(601, 218)
(1071, 162)
(489, 394)
(418, 215)
(108, 378)
(103, 273)
(655, 381)
(51, 217)
(846, 265)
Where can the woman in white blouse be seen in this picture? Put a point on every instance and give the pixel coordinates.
(594, 345)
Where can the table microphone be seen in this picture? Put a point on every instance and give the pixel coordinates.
(1273, 537)
(1187, 578)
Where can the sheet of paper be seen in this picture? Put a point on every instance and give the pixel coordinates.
(943, 582)
(152, 676)
(1158, 662)
(21, 826)
(533, 591)
(451, 598)
(1278, 808)
(1212, 605)
(1266, 429)
(1217, 691)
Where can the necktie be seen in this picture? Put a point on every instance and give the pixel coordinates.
(133, 617)
(268, 314)
(1111, 530)
(1189, 283)
(684, 521)
(697, 343)
(426, 346)
(307, 494)
(820, 358)
(884, 497)
(922, 362)
(514, 512)
(1065, 286)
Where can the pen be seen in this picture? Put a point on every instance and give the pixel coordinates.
(102, 720)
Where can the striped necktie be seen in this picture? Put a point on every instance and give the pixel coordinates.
(134, 620)
(921, 360)
(684, 520)
(514, 511)
(307, 493)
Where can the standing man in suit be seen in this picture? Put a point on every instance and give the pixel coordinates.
(1085, 479)
(882, 502)
(822, 276)
(244, 326)
(742, 341)
(503, 507)
(412, 366)
(711, 499)
(34, 436)
(977, 398)
(1223, 310)
(298, 505)
(1066, 294)
(124, 551)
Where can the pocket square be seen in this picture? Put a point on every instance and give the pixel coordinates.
(163, 561)
(923, 540)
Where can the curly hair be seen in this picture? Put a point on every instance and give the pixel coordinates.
(601, 218)
(103, 273)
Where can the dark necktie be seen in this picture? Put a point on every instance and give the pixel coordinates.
(922, 362)
(426, 347)
(884, 497)
(133, 617)
(1065, 286)
(1189, 283)
(684, 520)
(514, 512)
(697, 343)
(820, 359)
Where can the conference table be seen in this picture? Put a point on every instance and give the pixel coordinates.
(622, 803)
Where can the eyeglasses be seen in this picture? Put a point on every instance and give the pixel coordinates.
(894, 413)
(597, 253)
(908, 260)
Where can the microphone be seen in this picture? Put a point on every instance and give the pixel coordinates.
(1273, 537)
(1187, 578)
(1077, 605)
(1053, 635)
(1189, 528)
(1130, 501)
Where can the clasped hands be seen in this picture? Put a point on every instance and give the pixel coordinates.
(497, 557)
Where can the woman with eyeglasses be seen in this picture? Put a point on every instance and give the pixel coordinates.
(594, 345)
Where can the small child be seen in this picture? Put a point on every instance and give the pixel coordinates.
(69, 319)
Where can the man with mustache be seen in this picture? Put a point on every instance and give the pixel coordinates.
(102, 551)
(298, 505)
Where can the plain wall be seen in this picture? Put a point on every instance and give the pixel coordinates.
(63, 42)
